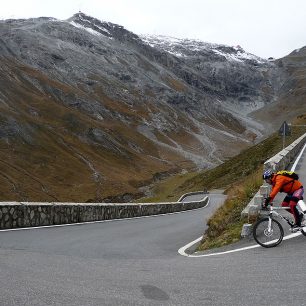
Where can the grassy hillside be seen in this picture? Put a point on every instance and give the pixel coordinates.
(228, 173)
(52, 150)
(240, 177)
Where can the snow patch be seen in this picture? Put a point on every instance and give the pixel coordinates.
(90, 30)
(240, 56)
(182, 48)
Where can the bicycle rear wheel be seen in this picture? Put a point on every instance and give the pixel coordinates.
(266, 238)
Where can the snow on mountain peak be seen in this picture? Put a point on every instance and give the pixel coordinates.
(189, 47)
(91, 25)
(176, 46)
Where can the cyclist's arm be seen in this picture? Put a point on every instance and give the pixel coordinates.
(275, 189)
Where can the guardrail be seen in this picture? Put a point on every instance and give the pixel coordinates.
(191, 194)
(280, 161)
(29, 214)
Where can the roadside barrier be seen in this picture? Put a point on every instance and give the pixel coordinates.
(181, 199)
(29, 214)
(278, 162)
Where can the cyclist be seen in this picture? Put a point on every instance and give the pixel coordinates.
(293, 188)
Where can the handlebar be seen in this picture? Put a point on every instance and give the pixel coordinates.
(269, 207)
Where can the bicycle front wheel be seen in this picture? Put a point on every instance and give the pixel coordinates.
(265, 236)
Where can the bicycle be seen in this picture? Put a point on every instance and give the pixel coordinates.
(269, 232)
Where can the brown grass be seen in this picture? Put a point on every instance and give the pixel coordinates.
(176, 84)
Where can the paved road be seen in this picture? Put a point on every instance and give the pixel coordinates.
(126, 262)
(135, 262)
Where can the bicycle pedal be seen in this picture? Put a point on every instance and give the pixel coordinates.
(295, 229)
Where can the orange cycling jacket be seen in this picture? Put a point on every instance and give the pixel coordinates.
(281, 183)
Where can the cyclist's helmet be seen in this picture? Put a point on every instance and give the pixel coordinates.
(267, 174)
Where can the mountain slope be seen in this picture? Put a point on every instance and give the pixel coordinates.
(93, 112)
(291, 92)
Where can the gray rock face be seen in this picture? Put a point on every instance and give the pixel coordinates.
(156, 103)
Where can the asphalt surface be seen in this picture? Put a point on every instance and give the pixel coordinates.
(135, 262)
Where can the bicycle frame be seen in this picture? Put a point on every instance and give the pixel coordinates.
(274, 213)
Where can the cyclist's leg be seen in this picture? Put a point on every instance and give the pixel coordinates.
(285, 203)
(291, 202)
(296, 213)
(296, 196)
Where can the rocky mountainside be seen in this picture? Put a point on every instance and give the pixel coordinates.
(93, 112)
(290, 76)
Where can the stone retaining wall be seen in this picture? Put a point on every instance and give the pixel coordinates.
(17, 215)
(281, 160)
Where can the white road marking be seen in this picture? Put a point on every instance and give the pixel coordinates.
(182, 250)
(298, 158)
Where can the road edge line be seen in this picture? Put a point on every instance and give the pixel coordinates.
(182, 250)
